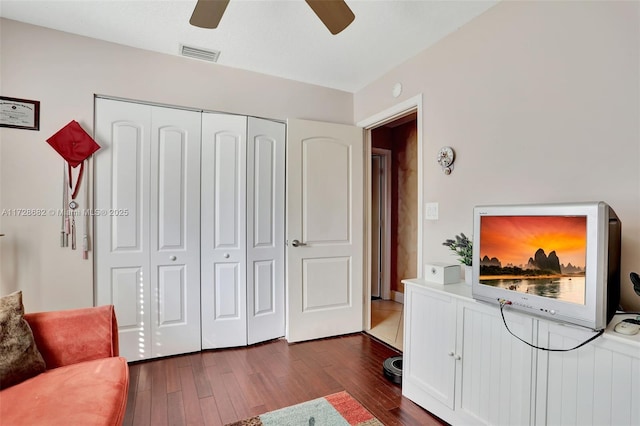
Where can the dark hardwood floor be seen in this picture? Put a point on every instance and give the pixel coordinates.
(222, 386)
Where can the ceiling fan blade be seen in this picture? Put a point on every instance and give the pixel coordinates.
(208, 13)
(334, 14)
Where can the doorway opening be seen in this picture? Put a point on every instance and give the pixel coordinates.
(394, 220)
(381, 175)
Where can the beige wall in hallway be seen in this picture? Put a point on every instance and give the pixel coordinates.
(406, 138)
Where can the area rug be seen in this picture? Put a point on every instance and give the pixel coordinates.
(338, 409)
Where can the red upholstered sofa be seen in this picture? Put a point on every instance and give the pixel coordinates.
(85, 382)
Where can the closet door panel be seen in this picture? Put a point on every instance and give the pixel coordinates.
(127, 180)
(265, 229)
(174, 219)
(227, 292)
(124, 295)
(172, 296)
(172, 171)
(122, 262)
(264, 289)
(228, 191)
(223, 245)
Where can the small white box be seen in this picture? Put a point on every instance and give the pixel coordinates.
(442, 273)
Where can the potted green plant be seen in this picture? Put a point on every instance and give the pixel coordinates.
(463, 247)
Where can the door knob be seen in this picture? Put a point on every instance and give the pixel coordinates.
(297, 243)
(227, 255)
(172, 258)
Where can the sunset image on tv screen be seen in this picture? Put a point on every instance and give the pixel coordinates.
(541, 255)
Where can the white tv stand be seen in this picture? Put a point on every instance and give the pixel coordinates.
(461, 364)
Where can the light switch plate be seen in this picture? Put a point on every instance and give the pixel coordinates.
(431, 211)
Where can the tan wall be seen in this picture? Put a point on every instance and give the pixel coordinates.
(540, 100)
(63, 72)
(406, 163)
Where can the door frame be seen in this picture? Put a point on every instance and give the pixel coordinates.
(368, 124)
(385, 287)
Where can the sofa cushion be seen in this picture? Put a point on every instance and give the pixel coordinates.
(75, 335)
(87, 393)
(19, 356)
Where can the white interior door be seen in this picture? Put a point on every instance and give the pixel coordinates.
(265, 230)
(324, 229)
(223, 233)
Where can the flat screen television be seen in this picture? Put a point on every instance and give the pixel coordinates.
(556, 261)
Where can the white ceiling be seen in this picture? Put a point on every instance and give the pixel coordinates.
(277, 37)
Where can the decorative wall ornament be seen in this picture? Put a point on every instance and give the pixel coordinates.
(74, 145)
(446, 157)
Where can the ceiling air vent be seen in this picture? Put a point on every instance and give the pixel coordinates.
(197, 53)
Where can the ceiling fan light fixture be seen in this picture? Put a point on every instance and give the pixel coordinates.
(199, 53)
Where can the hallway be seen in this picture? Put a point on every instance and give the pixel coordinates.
(395, 221)
(387, 322)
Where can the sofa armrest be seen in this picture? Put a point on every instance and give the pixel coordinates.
(75, 335)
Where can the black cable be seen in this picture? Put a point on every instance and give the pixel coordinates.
(504, 302)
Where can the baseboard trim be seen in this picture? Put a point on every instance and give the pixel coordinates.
(397, 296)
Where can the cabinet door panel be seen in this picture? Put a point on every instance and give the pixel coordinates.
(494, 385)
(429, 344)
(596, 384)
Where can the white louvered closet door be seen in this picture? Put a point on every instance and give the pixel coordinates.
(147, 251)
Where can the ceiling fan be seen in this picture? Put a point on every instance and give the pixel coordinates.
(334, 14)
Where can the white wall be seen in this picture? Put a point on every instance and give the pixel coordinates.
(540, 100)
(63, 72)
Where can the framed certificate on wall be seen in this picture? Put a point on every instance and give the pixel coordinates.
(19, 113)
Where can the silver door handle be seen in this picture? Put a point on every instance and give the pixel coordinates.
(297, 243)
(173, 258)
